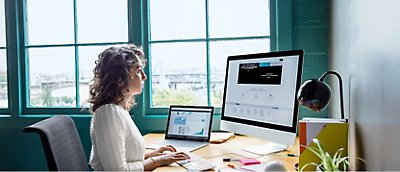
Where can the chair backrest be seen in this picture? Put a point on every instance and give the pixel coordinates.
(61, 143)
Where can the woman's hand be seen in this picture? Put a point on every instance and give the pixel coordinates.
(160, 151)
(169, 158)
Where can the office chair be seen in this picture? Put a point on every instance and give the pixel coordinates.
(61, 143)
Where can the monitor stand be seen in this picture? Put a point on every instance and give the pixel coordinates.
(266, 149)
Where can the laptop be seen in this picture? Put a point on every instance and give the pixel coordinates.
(188, 128)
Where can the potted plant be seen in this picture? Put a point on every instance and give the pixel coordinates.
(329, 163)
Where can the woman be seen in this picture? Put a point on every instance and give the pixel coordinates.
(116, 141)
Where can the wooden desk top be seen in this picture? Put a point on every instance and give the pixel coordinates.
(231, 149)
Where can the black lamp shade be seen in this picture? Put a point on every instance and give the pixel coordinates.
(314, 95)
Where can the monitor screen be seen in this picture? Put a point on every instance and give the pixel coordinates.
(260, 95)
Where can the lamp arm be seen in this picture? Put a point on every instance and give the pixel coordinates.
(340, 87)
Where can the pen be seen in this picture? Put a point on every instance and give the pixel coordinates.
(231, 166)
(292, 155)
(229, 160)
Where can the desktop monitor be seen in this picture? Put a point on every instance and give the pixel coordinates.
(260, 97)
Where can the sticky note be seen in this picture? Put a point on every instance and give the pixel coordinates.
(249, 161)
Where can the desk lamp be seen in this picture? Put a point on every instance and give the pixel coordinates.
(315, 94)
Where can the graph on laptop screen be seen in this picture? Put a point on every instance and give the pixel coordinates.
(189, 122)
(260, 97)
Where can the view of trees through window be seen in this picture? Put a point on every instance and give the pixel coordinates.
(3, 59)
(189, 46)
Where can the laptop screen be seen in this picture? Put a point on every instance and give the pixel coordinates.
(189, 122)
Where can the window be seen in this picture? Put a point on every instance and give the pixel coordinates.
(186, 43)
(3, 59)
(63, 39)
(189, 42)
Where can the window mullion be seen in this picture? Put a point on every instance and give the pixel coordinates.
(208, 72)
(22, 57)
(137, 12)
(135, 27)
(11, 11)
(77, 91)
(272, 25)
(283, 28)
(145, 36)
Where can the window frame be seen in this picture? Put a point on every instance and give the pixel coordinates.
(12, 63)
(284, 27)
(46, 111)
(7, 109)
(17, 76)
(153, 119)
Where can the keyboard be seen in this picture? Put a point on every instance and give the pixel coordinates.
(183, 143)
(196, 163)
(180, 145)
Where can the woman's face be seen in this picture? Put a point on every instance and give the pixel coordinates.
(137, 79)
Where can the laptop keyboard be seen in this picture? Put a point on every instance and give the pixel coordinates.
(196, 163)
(184, 145)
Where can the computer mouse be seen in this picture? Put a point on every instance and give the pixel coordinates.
(275, 166)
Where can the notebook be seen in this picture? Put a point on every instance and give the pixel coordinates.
(188, 128)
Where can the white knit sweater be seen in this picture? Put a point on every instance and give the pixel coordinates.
(117, 144)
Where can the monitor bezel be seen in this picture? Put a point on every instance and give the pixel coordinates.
(291, 129)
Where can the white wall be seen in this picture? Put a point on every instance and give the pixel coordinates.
(365, 49)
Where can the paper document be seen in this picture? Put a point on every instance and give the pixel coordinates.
(256, 167)
(220, 137)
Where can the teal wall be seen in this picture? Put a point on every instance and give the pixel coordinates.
(310, 32)
(22, 151)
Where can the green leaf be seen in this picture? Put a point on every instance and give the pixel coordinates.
(309, 164)
(329, 163)
(338, 153)
(337, 157)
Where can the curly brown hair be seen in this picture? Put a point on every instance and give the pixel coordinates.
(111, 74)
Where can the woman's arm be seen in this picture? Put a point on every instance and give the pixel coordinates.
(160, 151)
(168, 158)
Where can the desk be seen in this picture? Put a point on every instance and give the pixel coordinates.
(231, 149)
